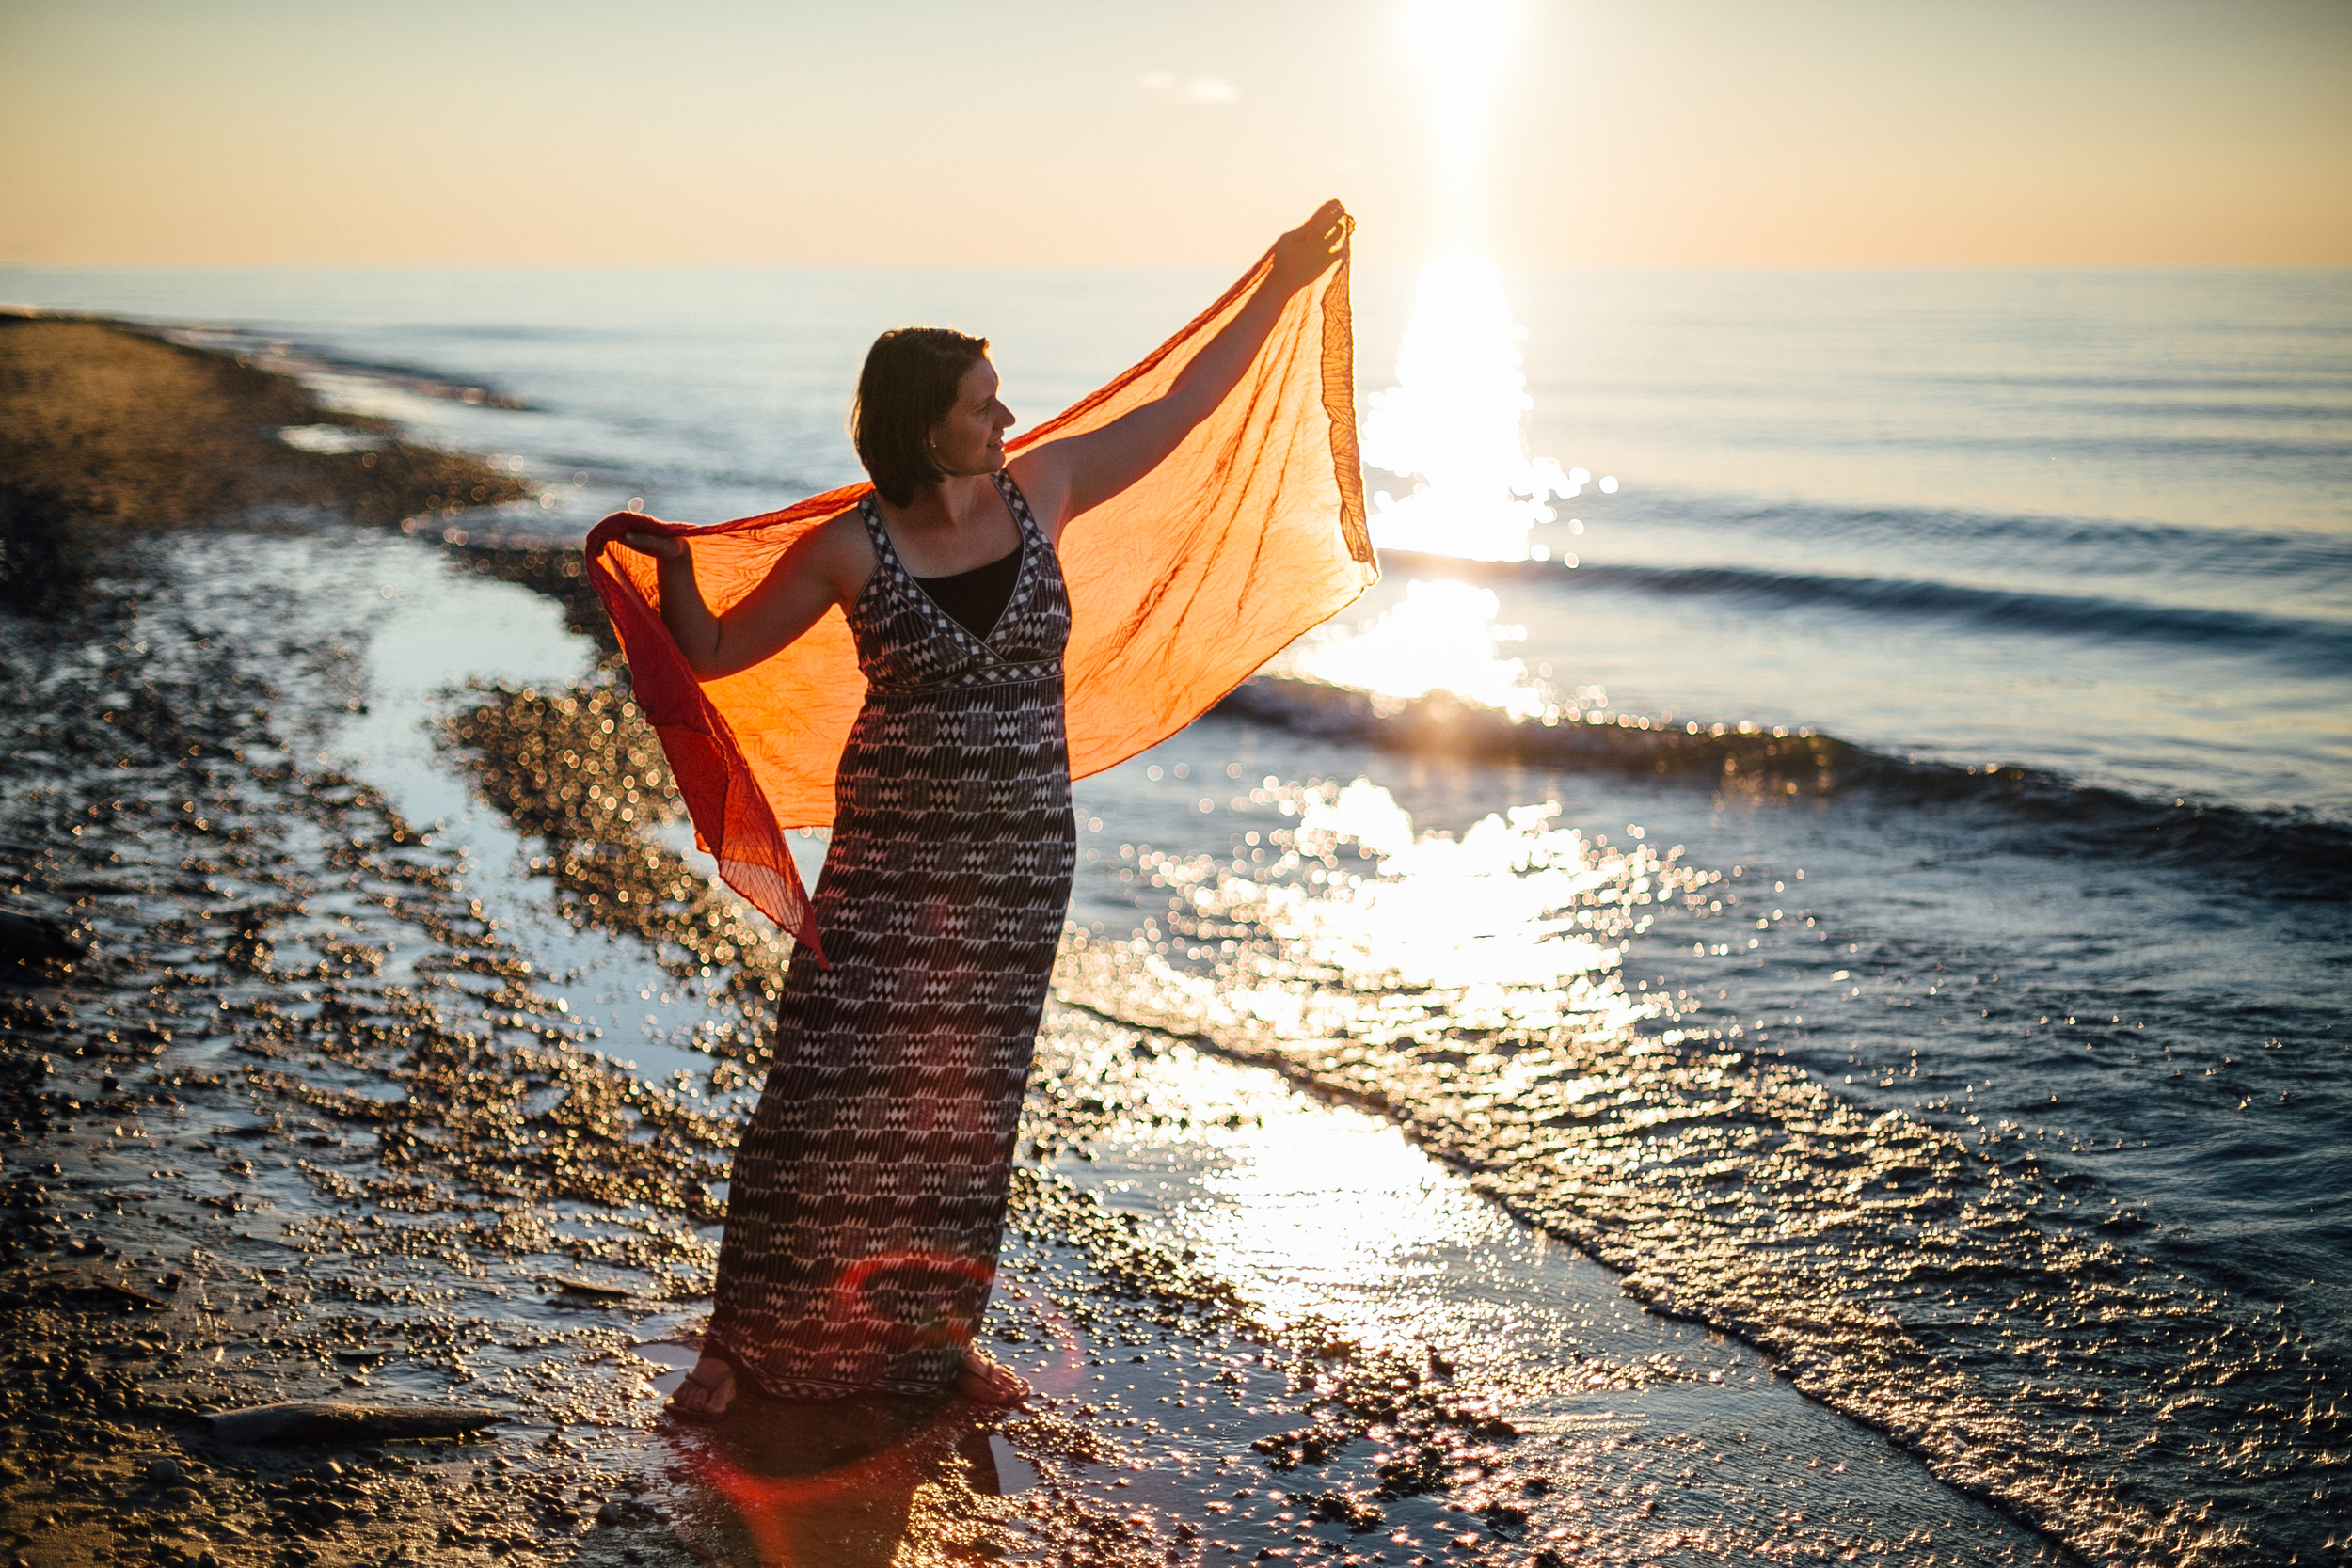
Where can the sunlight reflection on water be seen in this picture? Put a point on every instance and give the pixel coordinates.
(1364, 933)
(1517, 925)
(1336, 1216)
(1454, 421)
(1442, 637)
(1330, 1218)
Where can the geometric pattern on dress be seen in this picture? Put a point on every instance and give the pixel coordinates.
(866, 1202)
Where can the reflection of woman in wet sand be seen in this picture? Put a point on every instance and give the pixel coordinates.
(867, 1199)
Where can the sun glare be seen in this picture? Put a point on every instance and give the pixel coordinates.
(1441, 638)
(1459, 44)
(1454, 422)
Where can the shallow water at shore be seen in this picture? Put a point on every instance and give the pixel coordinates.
(1269, 1262)
(389, 1096)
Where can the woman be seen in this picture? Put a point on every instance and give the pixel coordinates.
(866, 1202)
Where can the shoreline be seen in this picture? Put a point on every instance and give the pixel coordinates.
(487, 1145)
(114, 422)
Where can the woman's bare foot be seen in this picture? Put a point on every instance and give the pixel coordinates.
(707, 1392)
(983, 1382)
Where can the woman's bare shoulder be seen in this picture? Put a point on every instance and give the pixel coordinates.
(843, 528)
(840, 550)
(1043, 472)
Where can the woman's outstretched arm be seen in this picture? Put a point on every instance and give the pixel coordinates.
(824, 568)
(1065, 477)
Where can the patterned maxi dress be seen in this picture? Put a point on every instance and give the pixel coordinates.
(867, 1199)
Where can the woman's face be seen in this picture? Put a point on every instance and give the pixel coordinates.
(971, 439)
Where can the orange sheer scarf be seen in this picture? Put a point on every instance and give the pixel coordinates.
(1251, 531)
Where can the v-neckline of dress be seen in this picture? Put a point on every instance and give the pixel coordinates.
(938, 614)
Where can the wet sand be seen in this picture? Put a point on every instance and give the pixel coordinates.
(116, 423)
(394, 1055)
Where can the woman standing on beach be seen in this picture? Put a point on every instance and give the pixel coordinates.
(867, 1199)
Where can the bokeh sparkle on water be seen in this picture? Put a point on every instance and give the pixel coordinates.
(1944, 1278)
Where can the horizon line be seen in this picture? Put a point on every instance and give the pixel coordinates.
(1522, 266)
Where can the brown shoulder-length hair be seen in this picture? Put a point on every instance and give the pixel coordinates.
(908, 386)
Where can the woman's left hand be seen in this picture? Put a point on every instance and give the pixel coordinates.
(1074, 475)
(1307, 251)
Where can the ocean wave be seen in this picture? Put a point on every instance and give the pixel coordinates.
(2169, 446)
(2288, 855)
(2056, 539)
(2079, 616)
(293, 355)
(2317, 643)
(1957, 1287)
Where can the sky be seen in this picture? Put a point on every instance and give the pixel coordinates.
(1663, 133)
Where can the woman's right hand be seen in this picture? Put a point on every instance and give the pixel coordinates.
(659, 545)
(826, 565)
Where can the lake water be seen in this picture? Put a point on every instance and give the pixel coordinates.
(2008, 1109)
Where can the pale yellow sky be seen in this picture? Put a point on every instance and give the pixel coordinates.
(1036, 132)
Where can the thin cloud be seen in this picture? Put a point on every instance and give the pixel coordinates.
(1200, 91)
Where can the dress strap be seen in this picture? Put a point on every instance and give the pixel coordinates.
(1018, 504)
(871, 516)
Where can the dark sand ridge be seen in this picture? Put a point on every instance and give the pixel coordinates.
(116, 423)
(304, 1122)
